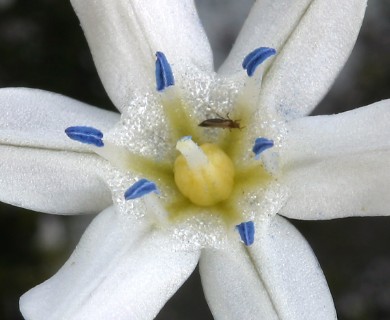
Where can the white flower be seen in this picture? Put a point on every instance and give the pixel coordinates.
(138, 252)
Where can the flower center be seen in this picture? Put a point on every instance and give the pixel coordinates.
(202, 176)
(205, 174)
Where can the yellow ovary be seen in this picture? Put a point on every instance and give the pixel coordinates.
(207, 184)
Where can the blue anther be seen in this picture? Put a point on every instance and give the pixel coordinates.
(247, 232)
(261, 144)
(164, 75)
(255, 58)
(86, 135)
(140, 189)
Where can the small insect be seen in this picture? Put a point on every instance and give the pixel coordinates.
(221, 122)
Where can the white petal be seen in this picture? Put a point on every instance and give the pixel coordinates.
(291, 272)
(313, 40)
(232, 285)
(278, 277)
(37, 118)
(338, 166)
(352, 185)
(357, 131)
(121, 269)
(124, 36)
(52, 181)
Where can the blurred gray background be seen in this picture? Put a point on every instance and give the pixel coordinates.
(42, 46)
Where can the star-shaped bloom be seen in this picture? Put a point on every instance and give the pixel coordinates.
(200, 166)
